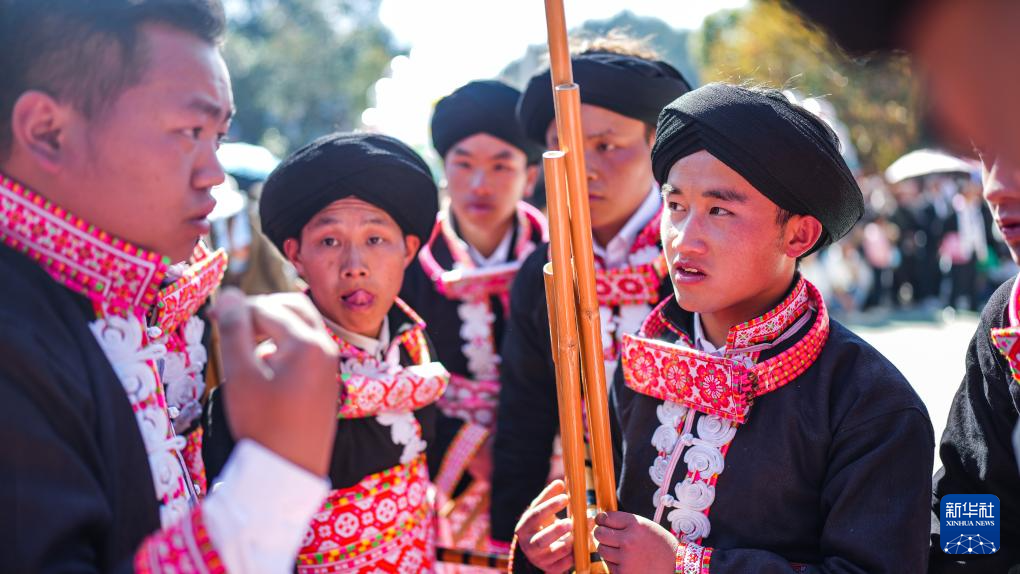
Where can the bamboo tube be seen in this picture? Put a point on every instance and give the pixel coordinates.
(559, 52)
(568, 119)
(563, 321)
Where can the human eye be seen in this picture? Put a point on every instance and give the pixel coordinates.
(328, 242)
(720, 211)
(376, 240)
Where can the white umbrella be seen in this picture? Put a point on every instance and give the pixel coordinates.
(247, 160)
(926, 162)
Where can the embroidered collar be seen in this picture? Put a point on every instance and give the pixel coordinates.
(673, 371)
(113, 274)
(1007, 339)
(410, 329)
(465, 280)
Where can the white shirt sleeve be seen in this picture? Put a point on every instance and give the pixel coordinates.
(259, 510)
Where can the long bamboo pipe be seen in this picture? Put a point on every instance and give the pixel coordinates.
(567, 98)
(563, 330)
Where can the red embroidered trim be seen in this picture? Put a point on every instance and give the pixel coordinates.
(716, 385)
(692, 559)
(465, 444)
(193, 459)
(181, 300)
(467, 282)
(183, 547)
(1007, 339)
(631, 285)
(76, 254)
(771, 324)
(383, 522)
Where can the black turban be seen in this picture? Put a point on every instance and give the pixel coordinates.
(784, 151)
(628, 85)
(481, 107)
(375, 168)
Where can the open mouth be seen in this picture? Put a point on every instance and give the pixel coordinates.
(359, 299)
(688, 273)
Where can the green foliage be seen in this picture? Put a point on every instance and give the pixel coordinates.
(302, 68)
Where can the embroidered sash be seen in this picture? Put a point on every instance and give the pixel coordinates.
(381, 524)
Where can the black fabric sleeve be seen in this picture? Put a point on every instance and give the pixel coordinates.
(976, 449)
(527, 421)
(53, 475)
(864, 500)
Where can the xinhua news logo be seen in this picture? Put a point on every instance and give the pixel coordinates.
(970, 524)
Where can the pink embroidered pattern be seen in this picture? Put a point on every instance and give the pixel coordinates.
(382, 524)
(367, 388)
(122, 282)
(183, 547)
(716, 385)
(76, 254)
(692, 559)
(469, 439)
(181, 300)
(1007, 339)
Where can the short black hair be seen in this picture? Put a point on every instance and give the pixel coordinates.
(86, 52)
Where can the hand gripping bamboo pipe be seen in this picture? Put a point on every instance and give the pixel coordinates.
(573, 304)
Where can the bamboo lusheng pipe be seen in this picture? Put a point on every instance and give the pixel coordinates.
(559, 286)
(567, 98)
(568, 119)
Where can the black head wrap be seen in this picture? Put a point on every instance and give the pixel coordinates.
(784, 151)
(487, 107)
(375, 168)
(628, 85)
(860, 26)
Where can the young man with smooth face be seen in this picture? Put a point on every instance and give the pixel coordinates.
(110, 122)
(349, 212)
(977, 453)
(750, 427)
(622, 92)
(461, 284)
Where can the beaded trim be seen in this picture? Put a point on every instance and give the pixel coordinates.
(76, 254)
(692, 559)
(183, 547)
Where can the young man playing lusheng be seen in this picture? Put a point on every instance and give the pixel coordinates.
(349, 211)
(623, 90)
(754, 433)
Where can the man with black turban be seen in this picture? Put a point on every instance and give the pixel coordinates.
(754, 434)
(621, 96)
(460, 284)
(350, 211)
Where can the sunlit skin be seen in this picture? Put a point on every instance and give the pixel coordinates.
(617, 155)
(1002, 192)
(730, 258)
(353, 256)
(486, 178)
(143, 169)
